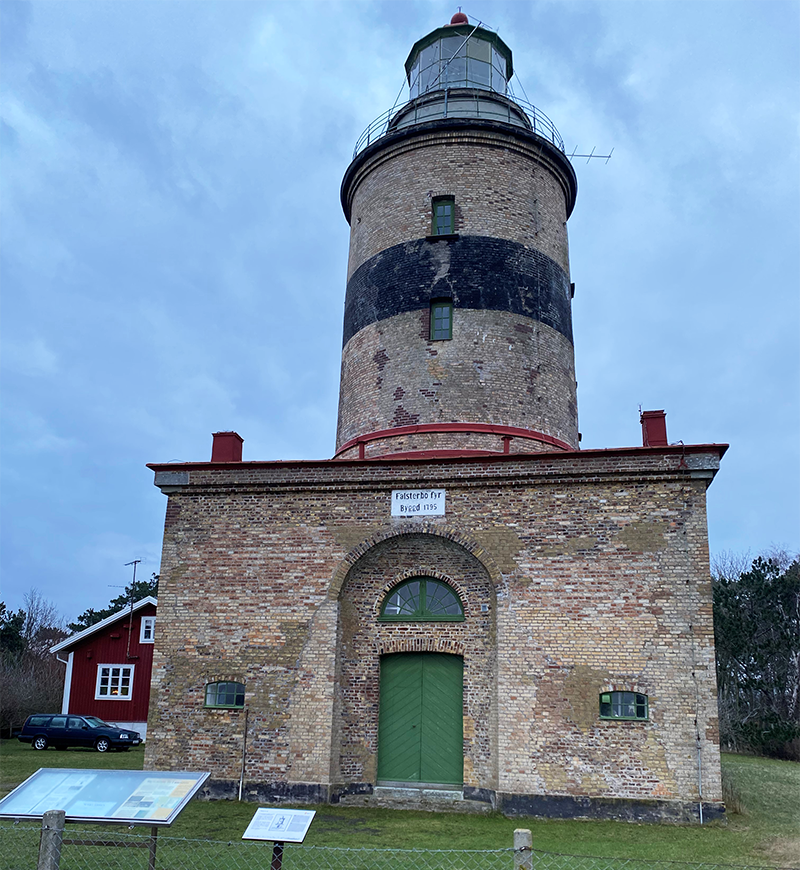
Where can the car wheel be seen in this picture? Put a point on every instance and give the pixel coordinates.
(39, 742)
(103, 744)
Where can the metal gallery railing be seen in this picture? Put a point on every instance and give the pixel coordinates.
(486, 106)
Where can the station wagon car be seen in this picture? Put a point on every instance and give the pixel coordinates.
(45, 729)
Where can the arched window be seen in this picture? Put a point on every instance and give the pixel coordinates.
(422, 599)
(623, 705)
(227, 694)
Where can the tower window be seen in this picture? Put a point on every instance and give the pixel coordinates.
(444, 216)
(441, 319)
(623, 705)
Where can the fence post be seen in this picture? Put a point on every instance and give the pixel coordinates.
(50, 841)
(523, 845)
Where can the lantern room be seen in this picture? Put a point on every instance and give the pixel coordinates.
(459, 56)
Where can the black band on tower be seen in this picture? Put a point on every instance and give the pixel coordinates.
(476, 272)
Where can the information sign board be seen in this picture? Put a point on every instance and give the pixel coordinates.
(132, 797)
(280, 826)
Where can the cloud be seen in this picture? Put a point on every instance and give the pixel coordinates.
(175, 254)
(32, 357)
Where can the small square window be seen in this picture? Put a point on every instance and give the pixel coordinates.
(114, 682)
(444, 216)
(441, 320)
(147, 629)
(225, 694)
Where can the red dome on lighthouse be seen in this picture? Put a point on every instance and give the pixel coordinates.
(459, 18)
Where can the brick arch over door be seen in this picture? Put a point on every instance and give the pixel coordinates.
(416, 528)
(362, 639)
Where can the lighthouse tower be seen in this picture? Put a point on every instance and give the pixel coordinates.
(457, 325)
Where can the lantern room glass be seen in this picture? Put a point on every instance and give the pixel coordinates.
(458, 62)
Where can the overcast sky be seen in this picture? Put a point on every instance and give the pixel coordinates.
(174, 250)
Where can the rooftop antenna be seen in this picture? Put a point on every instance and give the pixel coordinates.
(591, 155)
(574, 154)
(135, 562)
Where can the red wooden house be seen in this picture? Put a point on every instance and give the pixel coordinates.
(109, 665)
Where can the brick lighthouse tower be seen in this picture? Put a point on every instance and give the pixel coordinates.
(460, 608)
(457, 326)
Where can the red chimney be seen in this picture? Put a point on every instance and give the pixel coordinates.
(227, 447)
(654, 428)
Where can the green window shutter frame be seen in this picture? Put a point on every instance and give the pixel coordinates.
(226, 694)
(422, 599)
(441, 320)
(624, 705)
(444, 216)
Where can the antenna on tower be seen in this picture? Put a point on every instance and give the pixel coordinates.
(591, 155)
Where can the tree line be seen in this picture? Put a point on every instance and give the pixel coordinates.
(31, 678)
(757, 638)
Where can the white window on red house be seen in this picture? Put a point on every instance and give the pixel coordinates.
(147, 630)
(114, 682)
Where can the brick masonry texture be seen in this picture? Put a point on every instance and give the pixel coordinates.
(504, 187)
(498, 368)
(474, 272)
(592, 566)
(510, 361)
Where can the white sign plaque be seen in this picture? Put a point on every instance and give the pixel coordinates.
(418, 502)
(280, 826)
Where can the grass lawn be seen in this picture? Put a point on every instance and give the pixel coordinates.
(767, 832)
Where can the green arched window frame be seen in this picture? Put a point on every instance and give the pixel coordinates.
(422, 599)
(227, 695)
(624, 705)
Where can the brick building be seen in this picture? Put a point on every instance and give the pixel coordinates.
(461, 606)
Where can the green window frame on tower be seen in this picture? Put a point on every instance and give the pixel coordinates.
(441, 319)
(624, 705)
(422, 599)
(226, 694)
(444, 216)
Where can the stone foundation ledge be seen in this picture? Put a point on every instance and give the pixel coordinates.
(266, 792)
(466, 800)
(618, 809)
(430, 799)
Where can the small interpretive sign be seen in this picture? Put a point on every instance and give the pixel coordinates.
(418, 502)
(278, 825)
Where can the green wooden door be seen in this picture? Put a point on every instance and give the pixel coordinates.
(420, 728)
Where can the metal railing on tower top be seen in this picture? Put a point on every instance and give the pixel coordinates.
(480, 105)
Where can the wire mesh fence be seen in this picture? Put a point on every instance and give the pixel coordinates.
(554, 861)
(19, 850)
